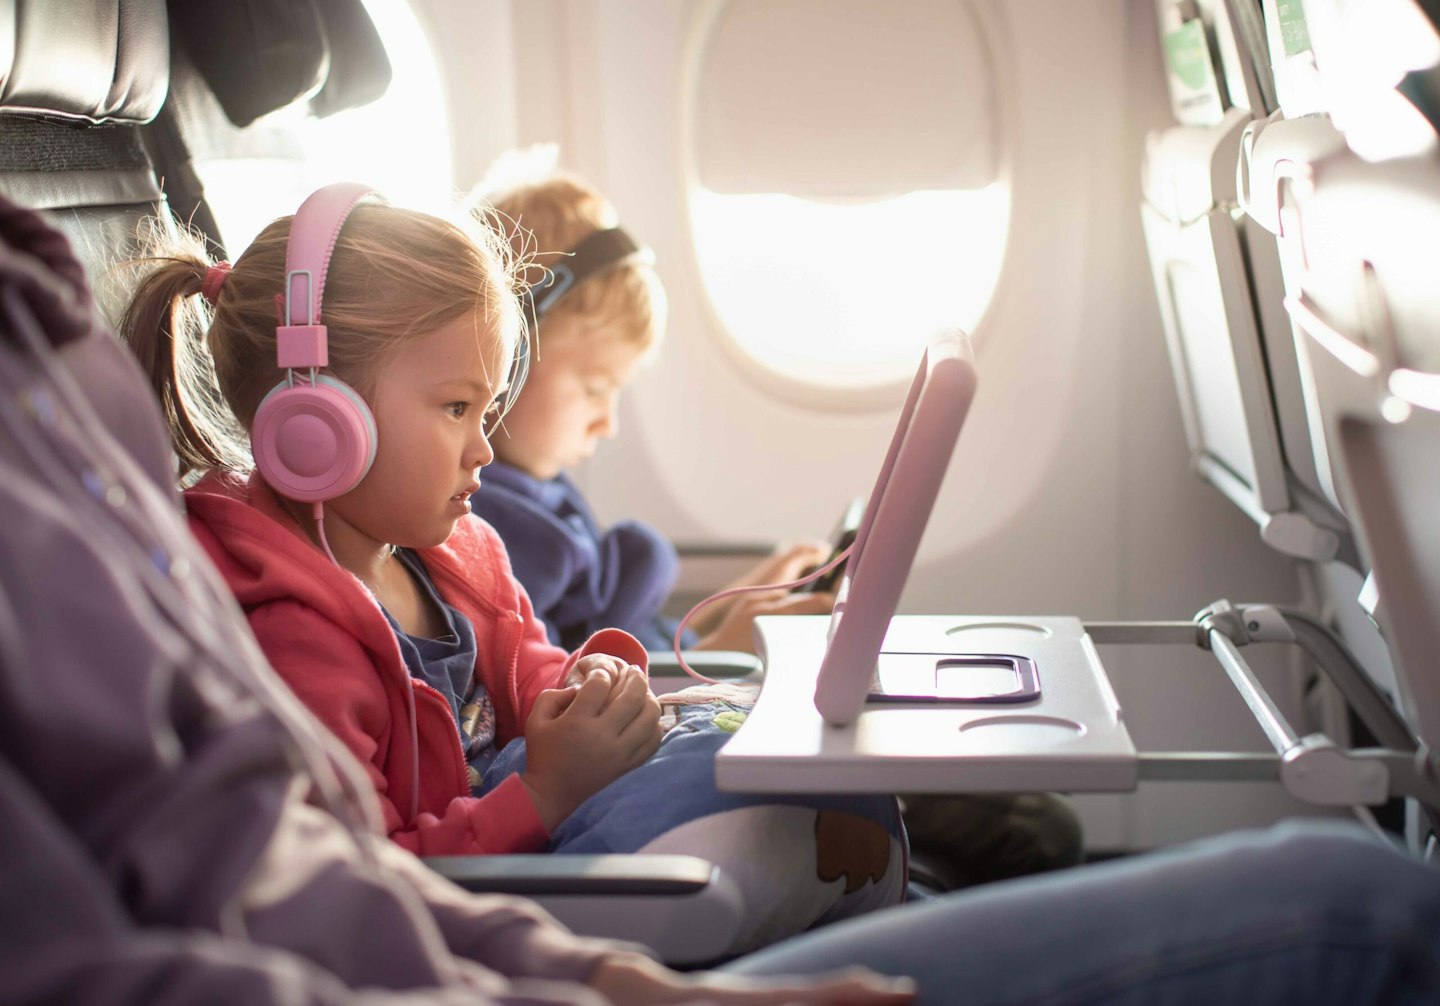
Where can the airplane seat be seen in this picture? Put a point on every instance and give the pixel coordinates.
(1354, 210)
(1220, 271)
(80, 80)
(1366, 310)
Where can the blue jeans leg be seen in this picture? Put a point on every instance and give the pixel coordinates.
(1308, 912)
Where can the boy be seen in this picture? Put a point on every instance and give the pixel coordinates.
(596, 311)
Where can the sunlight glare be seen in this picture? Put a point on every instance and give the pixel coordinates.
(399, 143)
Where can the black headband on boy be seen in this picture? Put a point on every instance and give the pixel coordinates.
(596, 254)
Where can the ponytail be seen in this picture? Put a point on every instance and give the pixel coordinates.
(164, 325)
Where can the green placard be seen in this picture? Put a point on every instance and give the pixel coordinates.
(1194, 88)
(1188, 57)
(1294, 35)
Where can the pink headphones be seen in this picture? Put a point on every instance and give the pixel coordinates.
(313, 437)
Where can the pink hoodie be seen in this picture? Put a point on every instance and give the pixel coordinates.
(325, 634)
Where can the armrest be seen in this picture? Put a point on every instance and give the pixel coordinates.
(735, 665)
(683, 908)
(576, 875)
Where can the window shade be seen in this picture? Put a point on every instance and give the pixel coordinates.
(844, 99)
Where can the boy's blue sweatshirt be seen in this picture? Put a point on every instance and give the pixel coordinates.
(580, 577)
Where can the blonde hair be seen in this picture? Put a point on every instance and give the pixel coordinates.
(552, 215)
(394, 274)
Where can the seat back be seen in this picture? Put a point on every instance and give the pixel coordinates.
(75, 65)
(248, 80)
(1218, 283)
(1363, 295)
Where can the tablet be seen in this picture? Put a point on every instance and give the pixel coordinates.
(890, 530)
(846, 528)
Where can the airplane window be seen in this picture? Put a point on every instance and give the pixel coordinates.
(402, 141)
(399, 143)
(846, 296)
(847, 194)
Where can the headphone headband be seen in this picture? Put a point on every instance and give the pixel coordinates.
(598, 253)
(313, 232)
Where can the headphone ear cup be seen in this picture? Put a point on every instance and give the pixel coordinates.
(313, 442)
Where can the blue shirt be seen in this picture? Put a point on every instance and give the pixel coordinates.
(447, 664)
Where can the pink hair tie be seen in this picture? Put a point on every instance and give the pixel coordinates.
(214, 279)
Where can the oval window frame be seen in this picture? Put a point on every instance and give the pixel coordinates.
(780, 384)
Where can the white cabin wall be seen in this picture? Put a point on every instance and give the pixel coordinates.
(1070, 490)
(475, 45)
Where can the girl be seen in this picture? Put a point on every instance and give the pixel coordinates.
(392, 612)
(395, 620)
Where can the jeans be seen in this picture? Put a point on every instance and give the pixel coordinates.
(1306, 912)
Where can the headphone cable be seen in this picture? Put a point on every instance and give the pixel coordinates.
(791, 585)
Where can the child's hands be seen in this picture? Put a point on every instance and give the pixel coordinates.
(633, 980)
(581, 738)
(612, 667)
(789, 563)
(736, 631)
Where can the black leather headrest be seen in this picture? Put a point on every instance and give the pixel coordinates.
(261, 55)
(86, 60)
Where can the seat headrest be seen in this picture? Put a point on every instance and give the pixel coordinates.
(258, 56)
(87, 60)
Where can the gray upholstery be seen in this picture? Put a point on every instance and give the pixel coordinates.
(69, 66)
(86, 60)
